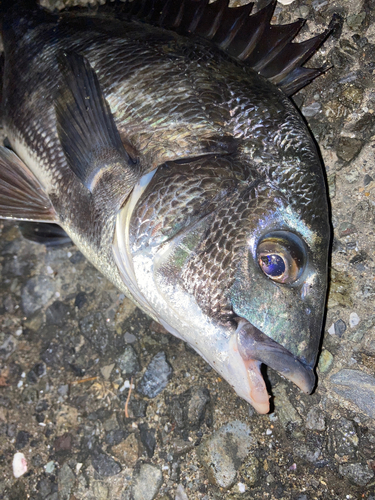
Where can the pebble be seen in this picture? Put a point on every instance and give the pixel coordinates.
(148, 439)
(325, 361)
(107, 370)
(315, 420)
(36, 293)
(340, 327)
(100, 490)
(49, 467)
(127, 451)
(364, 329)
(65, 480)
(224, 451)
(19, 465)
(104, 464)
(57, 313)
(146, 482)
(346, 438)
(285, 410)
(353, 319)
(22, 439)
(311, 109)
(181, 493)
(156, 376)
(357, 473)
(128, 361)
(8, 347)
(356, 386)
(188, 409)
(348, 148)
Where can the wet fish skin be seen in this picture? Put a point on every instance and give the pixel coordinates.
(222, 146)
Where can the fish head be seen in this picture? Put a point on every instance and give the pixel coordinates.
(232, 268)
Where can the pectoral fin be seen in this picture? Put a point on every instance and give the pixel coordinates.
(21, 195)
(87, 131)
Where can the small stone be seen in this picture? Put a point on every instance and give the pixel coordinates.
(367, 180)
(357, 473)
(311, 109)
(284, 408)
(80, 300)
(156, 376)
(181, 447)
(115, 436)
(63, 443)
(57, 313)
(346, 229)
(346, 438)
(358, 387)
(104, 464)
(127, 452)
(19, 465)
(36, 293)
(188, 409)
(148, 439)
(315, 420)
(325, 361)
(8, 347)
(66, 480)
(364, 329)
(348, 148)
(100, 490)
(340, 327)
(181, 493)
(355, 21)
(223, 453)
(309, 450)
(129, 338)
(107, 370)
(331, 180)
(22, 439)
(49, 467)
(128, 361)
(146, 482)
(353, 319)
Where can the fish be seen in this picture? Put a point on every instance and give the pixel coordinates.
(160, 136)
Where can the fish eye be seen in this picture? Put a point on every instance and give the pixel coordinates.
(281, 256)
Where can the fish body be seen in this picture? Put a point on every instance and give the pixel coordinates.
(185, 176)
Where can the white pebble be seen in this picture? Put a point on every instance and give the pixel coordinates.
(241, 487)
(49, 270)
(353, 320)
(285, 2)
(331, 329)
(19, 332)
(19, 465)
(269, 432)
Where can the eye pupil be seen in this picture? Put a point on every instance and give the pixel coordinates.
(273, 265)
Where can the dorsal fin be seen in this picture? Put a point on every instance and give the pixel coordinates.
(265, 47)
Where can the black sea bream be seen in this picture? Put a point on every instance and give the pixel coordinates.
(159, 135)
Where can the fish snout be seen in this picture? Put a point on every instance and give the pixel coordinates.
(254, 346)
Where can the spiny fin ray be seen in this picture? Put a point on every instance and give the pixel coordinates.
(267, 48)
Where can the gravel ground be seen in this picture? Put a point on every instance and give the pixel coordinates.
(71, 347)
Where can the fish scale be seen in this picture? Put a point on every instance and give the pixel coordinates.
(181, 173)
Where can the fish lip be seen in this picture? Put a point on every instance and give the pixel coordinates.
(253, 344)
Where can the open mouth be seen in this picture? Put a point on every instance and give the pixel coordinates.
(256, 348)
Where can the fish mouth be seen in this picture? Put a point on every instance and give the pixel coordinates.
(256, 348)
